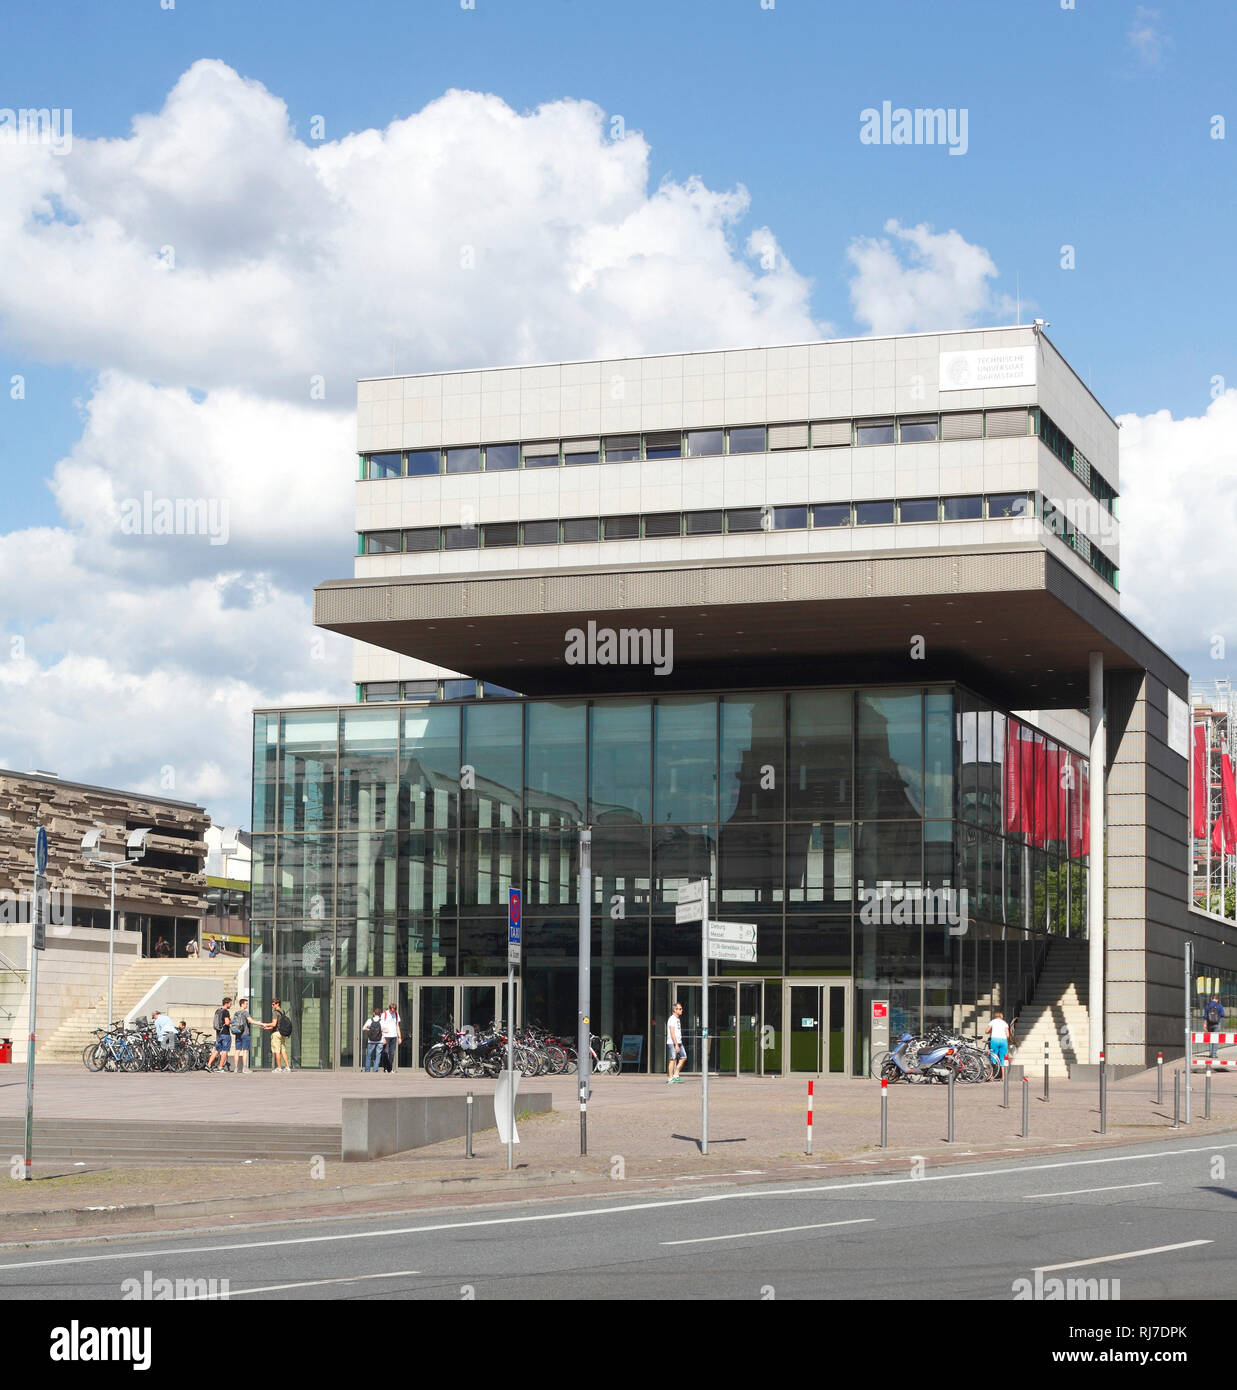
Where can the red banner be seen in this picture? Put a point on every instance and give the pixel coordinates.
(1200, 781)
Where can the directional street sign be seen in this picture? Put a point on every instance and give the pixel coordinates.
(692, 901)
(38, 919)
(741, 932)
(40, 850)
(731, 950)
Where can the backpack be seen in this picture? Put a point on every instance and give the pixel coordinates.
(217, 1021)
(239, 1027)
(284, 1025)
(1212, 1015)
(374, 1031)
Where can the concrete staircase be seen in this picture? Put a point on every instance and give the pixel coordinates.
(114, 1143)
(131, 986)
(1057, 1014)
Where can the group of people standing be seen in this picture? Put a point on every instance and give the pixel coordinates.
(233, 1030)
(382, 1034)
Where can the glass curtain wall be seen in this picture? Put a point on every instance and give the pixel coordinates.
(915, 841)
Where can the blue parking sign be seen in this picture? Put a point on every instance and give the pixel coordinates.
(513, 916)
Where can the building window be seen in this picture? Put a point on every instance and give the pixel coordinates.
(1009, 504)
(919, 509)
(543, 455)
(663, 524)
(422, 462)
(423, 538)
(500, 458)
(873, 513)
(873, 431)
(665, 444)
(460, 537)
(622, 448)
(382, 543)
(540, 532)
(381, 690)
(579, 451)
(500, 533)
(459, 690)
(420, 690)
(826, 515)
(621, 528)
(750, 439)
(464, 460)
(704, 523)
(384, 466)
(741, 519)
(580, 528)
(703, 443)
(790, 518)
(918, 429)
(964, 508)
(496, 692)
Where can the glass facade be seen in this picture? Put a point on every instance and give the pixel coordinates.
(913, 844)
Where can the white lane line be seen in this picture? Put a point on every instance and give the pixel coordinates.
(1082, 1191)
(776, 1231)
(743, 1195)
(1129, 1255)
(310, 1284)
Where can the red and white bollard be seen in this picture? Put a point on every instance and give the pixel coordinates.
(810, 1085)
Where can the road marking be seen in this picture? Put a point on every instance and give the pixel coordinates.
(1129, 1255)
(816, 1190)
(313, 1283)
(1082, 1191)
(776, 1231)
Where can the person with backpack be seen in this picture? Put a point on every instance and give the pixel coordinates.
(280, 1029)
(222, 1024)
(371, 1036)
(392, 1036)
(240, 1034)
(1213, 1017)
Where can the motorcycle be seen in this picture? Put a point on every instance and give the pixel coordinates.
(926, 1064)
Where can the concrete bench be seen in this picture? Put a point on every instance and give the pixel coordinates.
(375, 1126)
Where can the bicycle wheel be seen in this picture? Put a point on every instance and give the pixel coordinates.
(878, 1064)
(615, 1060)
(556, 1058)
(93, 1056)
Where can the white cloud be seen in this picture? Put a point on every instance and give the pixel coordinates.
(206, 266)
(1178, 521)
(1146, 37)
(915, 280)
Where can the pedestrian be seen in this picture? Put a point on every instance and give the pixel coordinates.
(371, 1036)
(222, 1024)
(165, 1029)
(191, 948)
(280, 1029)
(162, 948)
(997, 1033)
(674, 1045)
(212, 949)
(392, 1036)
(1213, 1017)
(240, 1034)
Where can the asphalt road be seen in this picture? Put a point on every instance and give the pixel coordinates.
(1160, 1218)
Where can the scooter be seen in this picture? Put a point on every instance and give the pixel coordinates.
(923, 1065)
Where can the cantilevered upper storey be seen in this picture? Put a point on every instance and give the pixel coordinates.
(982, 442)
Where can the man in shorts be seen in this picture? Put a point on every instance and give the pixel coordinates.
(240, 1035)
(279, 1039)
(674, 1045)
(223, 1036)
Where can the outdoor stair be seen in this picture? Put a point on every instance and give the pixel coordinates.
(1057, 1012)
(115, 1142)
(65, 1044)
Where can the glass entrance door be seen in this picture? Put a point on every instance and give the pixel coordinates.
(425, 1008)
(735, 1019)
(817, 1021)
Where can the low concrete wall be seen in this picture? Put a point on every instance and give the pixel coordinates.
(72, 974)
(175, 994)
(1089, 1071)
(376, 1126)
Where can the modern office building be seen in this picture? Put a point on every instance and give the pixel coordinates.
(836, 625)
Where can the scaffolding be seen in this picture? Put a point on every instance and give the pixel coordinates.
(1213, 875)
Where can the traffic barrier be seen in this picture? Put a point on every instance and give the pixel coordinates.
(1224, 1039)
(1210, 1062)
(809, 1118)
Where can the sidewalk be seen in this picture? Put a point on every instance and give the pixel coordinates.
(639, 1131)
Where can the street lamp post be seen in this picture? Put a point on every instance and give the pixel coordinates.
(136, 848)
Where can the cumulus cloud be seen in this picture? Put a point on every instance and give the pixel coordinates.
(1146, 37)
(1178, 519)
(915, 280)
(210, 267)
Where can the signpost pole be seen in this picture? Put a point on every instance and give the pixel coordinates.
(704, 1021)
(1189, 973)
(583, 1052)
(515, 938)
(111, 944)
(37, 928)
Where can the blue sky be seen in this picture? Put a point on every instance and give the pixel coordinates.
(1088, 127)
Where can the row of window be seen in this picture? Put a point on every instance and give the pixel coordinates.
(465, 689)
(703, 443)
(1077, 462)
